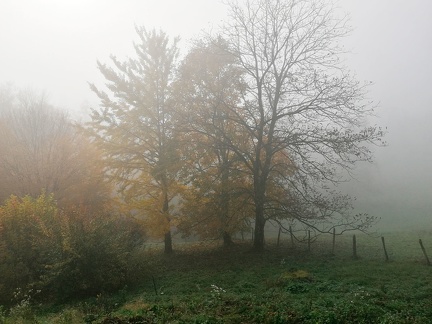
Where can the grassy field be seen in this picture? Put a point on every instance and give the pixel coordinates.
(204, 283)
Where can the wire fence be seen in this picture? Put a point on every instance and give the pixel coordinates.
(390, 246)
(412, 246)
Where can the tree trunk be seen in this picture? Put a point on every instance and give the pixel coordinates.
(259, 199)
(225, 200)
(258, 244)
(165, 209)
(227, 239)
(168, 243)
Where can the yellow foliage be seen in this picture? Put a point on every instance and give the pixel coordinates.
(149, 213)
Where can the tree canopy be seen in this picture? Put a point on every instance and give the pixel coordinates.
(42, 151)
(304, 111)
(257, 123)
(134, 127)
(209, 85)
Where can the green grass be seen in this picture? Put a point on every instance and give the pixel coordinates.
(208, 284)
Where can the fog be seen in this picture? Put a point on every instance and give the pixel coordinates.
(392, 47)
(53, 45)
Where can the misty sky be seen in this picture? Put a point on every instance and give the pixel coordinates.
(53, 45)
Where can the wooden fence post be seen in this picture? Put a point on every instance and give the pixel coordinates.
(278, 239)
(424, 252)
(354, 247)
(334, 240)
(385, 250)
(291, 236)
(309, 241)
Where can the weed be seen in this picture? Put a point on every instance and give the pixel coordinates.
(2, 315)
(216, 291)
(23, 310)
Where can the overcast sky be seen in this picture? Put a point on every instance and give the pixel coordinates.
(53, 45)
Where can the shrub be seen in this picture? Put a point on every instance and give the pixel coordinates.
(63, 253)
(30, 231)
(97, 252)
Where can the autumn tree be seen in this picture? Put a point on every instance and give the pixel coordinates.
(134, 128)
(41, 151)
(209, 85)
(300, 103)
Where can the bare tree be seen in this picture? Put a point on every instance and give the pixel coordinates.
(6, 97)
(42, 151)
(300, 103)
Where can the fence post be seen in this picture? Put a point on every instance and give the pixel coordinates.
(278, 239)
(424, 252)
(309, 241)
(385, 250)
(354, 247)
(334, 240)
(291, 235)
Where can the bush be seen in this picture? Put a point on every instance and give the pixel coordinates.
(63, 253)
(96, 254)
(29, 233)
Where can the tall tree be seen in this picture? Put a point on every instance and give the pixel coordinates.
(300, 102)
(209, 85)
(41, 151)
(7, 98)
(135, 130)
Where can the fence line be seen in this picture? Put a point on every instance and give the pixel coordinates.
(401, 246)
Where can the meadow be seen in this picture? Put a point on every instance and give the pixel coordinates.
(205, 283)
